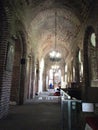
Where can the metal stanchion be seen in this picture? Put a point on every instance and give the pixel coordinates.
(69, 110)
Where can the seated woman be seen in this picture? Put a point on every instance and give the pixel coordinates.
(57, 91)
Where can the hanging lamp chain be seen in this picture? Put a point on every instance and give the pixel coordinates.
(55, 28)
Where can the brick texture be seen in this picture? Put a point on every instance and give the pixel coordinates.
(16, 73)
(5, 76)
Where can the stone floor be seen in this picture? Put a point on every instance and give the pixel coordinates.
(34, 116)
(42, 113)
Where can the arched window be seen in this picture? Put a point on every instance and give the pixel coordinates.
(80, 65)
(93, 59)
(93, 39)
(90, 57)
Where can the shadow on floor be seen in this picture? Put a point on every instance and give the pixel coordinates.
(33, 116)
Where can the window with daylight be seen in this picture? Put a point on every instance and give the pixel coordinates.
(93, 55)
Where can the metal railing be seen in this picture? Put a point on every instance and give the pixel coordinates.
(70, 108)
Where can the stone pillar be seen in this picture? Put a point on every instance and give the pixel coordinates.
(77, 75)
(63, 72)
(69, 79)
(44, 80)
(97, 55)
(34, 77)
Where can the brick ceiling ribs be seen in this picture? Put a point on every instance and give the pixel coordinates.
(38, 17)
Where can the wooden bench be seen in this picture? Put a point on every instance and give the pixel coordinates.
(92, 122)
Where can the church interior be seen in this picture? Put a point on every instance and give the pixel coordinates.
(49, 51)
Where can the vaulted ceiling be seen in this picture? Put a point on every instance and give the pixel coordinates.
(38, 17)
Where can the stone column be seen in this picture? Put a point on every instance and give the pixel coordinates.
(77, 76)
(97, 55)
(44, 80)
(35, 77)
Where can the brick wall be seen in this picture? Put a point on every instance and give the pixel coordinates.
(5, 77)
(91, 92)
(16, 73)
(5, 94)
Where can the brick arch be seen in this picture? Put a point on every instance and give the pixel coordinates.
(19, 68)
(45, 30)
(15, 85)
(6, 38)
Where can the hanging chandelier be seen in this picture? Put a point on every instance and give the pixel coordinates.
(55, 68)
(55, 55)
